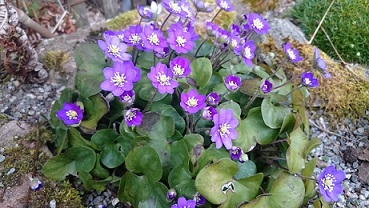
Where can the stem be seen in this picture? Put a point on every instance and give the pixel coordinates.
(197, 121)
(216, 15)
(305, 177)
(202, 129)
(150, 102)
(166, 19)
(188, 131)
(289, 81)
(250, 101)
(202, 43)
(294, 90)
(170, 55)
(191, 122)
(135, 55)
(279, 67)
(140, 21)
(273, 158)
(153, 55)
(279, 141)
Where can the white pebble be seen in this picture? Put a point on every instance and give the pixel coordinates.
(52, 203)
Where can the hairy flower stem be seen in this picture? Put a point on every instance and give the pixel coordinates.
(170, 55)
(135, 55)
(216, 15)
(294, 90)
(218, 62)
(154, 59)
(150, 102)
(250, 101)
(166, 19)
(202, 43)
(188, 129)
(195, 124)
(279, 67)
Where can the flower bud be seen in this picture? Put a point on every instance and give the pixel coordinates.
(35, 184)
(213, 98)
(200, 199)
(171, 194)
(208, 113)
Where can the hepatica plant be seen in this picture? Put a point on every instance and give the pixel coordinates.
(175, 119)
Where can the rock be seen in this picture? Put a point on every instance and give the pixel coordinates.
(350, 155)
(14, 196)
(13, 129)
(363, 172)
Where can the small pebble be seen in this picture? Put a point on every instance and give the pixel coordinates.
(52, 203)
(12, 170)
(2, 158)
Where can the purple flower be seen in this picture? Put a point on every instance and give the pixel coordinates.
(308, 80)
(127, 97)
(133, 116)
(179, 40)
(235, 153)
(162, 79)
(213, 98)
(222, 36)
(248, 52)
(259, 24)
(208, 113)
(329, 182)
(163, 53)
(202, 6)
(174, 7)
(235, 29)
(71, 113)
(223, 131)
(153, 38)
(266, 86)
(191, 29)
(211, 28)
(200, 199)
(185, 6)
(144, 12)
(114, 49)
(120, 78)
(180, 66)
(292, 53)
(232, 82)
(235, 44)
(183, 203)
(35, 184)
(320, 65)
(132, 36)
(192, 102)
(171, 194)
(225, 5)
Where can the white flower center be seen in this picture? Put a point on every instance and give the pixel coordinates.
(127, 98)
(307, 81)
(224, 5)
(233, 85)
(191, 102)
(291, 54)
(131, 115)
(114, 50)
(178, 70)
(258, 24)
(234, 43)
(153, 38)
(134, 38)
(181, 41)
(118, 79)
(247, 52)
(328, 182)
(175, 6)
(72, 114)
(163, 79)
(223, 129)
(121, 36)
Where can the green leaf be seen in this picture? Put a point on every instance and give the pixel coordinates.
(250, 86)
(145, 160)
(180, 178)
(156, 127)
(309, 168)
(295, 153)
(210, 155)
(312, 144)
(231, 105)
(90, 184)
(205, 49)
(195, 146)
(168, 110)
(245, 190)
(95, 107)
(288, 123)
(98, 170)
(146, 60)
(253, 129)
(201, 71)
(75, 139)
(103, 137)
(75, 159)
(147, 92)
(142, 192)
(90, 64)
(299, 105)
(273, 115)
(245, 170)
(210, 180)
(287, 191)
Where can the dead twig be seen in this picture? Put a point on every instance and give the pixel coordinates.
(325, 130)
(321, 22)
(59, 22)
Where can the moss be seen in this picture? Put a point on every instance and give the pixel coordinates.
(56, 59)
(345, 24)
(344, 96)
(23, 159)
(261, 5)
(123, 20)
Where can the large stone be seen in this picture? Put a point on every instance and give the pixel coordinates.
(9, 132)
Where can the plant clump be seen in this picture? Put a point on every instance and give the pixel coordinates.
(345, 24)
(261, 5)
(56, 59)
